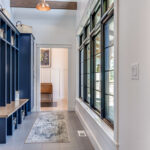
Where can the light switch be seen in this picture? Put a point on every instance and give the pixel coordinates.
(135, 71)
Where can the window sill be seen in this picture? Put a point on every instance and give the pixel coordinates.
(105, 132)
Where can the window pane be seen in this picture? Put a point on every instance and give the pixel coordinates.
(109, 86)
(109, 33)
(81, 39)
(97, 100)
(109, 106)
(88, 80)
(97, 63)
(81, 91)
(97, 16)
(88, 66)
(88, 51)
(97, 46)
(88, 95)
(82, 57)
(81, 80)
(98, 85)
(88, 31)
(109, 2)
(109, 58)
(97, 76)
(104, 6)
(109, 70)
(98, 81)
(109, 76)
(84, 81)
(81, 68)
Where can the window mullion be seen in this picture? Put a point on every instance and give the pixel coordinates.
(103, 74)
(91, 66)
(79, 73)
(84, 75)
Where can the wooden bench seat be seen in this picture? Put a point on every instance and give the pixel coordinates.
(9, 109)
(8, 113)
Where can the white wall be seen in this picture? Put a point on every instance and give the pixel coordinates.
(57, 74)
(56, 27)
(134, 96)
(45, 75)
(83, 12)
(134, 31)
(5, 4)
(82, 4)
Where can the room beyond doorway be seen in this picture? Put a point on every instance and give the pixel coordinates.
(54, 79)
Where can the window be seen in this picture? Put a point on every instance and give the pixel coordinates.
(81, 73)
(97, 17)
(87, 73)
(87, 30)
(109, 69)
(97, 72)
(97, 61)
(107, 4)
(81, 39)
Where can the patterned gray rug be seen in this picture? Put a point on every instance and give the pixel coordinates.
(49, 127)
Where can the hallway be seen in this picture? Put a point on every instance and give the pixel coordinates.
(17, 142)
(74, 74)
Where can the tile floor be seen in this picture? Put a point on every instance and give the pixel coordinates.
(16, 142)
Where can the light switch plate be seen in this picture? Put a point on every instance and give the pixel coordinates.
(135, 71)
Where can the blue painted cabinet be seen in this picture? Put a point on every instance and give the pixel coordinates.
(9, 76)
(9, 52)
(26, 68)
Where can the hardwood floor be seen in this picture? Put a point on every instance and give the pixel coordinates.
(62, 104)
(17, 141)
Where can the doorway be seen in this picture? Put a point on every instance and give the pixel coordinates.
(58, 78)
(54, 79)
(37, 78)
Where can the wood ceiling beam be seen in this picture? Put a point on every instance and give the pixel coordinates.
(53, 4)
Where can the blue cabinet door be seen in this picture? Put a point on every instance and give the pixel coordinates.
(26, 68)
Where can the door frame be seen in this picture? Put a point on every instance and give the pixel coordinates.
(37, 87)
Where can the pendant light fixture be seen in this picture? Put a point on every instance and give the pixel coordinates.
(43, 6)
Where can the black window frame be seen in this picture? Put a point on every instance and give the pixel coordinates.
(103, 115)
(94, 35)
(94, 30)
(86, 28)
